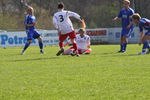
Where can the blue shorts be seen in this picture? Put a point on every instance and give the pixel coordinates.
(147, 33)
(32, 34)
(126, 32)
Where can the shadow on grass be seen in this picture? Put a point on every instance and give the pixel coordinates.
(34, 59)
(118, 55)
(39, 59)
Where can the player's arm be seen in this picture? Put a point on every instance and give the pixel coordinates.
(78, 17)
(131, 23)
(141, 37)
(89, 43)
(117, 17)
(55, 22)
(30, 25)
(141, 33)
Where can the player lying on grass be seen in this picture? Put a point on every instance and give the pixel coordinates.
(143, 23)
(63, 24)
(30, 22)
(127, 26)
(83, 42)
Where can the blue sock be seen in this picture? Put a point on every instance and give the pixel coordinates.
(41, 44)
(145, 46)
(148, 47)
(26, 45)
(121, 46)
(124, 46)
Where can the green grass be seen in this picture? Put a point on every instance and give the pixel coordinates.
(103, 75)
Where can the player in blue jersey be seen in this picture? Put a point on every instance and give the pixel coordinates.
(30, 22)
(127, 26)
(144, 24)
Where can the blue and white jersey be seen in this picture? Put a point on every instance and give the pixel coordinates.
(29, 19)
(144, 24)
(125, 15)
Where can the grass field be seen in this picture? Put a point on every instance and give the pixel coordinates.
(103, 75)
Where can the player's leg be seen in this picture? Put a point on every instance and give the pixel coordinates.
(125, 42)
(148, 38)
(61, 43)
(145, 43)
(126, 33)
(72, 36)
(68, 51)
(121, 41)
(87, 51)
(121, 44)
(40, 44)
(29, 41)
(38, 37)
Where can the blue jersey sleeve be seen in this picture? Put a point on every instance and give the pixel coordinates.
(120, 14)
(33, 19)
(25, 19)
(132, 12)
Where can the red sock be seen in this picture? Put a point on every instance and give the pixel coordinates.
(75, 47)
(87, 52)
(61, 44)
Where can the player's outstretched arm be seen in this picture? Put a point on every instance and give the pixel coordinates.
(83, 23)
(115, 19)
(141, 37)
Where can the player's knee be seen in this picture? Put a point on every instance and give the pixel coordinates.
(39, 39)
(29, 41)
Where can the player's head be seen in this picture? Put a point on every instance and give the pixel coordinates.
(82, 31)
(30, 10)
(60, 5)
(126, 3)
(136, 18)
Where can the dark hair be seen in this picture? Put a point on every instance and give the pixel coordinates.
(60, 5)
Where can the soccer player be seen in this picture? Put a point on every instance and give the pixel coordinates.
(30, 22)
(143, 23)
(63, 24)
(127, 26)
(83, 42)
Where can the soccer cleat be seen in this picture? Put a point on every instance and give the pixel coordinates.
(77, 55)
(148, 52)
(60, 52)
(142, 53)
(72, 54)
(22, 53)
(42, 51)
(121, 51)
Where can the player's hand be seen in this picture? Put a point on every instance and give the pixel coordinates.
(140, 43)
(114, 19)
(128, 26)
(83, 23)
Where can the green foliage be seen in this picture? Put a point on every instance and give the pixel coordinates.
(103, 75)
(97, 13)
(8, 22)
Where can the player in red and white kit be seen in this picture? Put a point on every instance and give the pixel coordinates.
(63, 24)
(83, 42)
